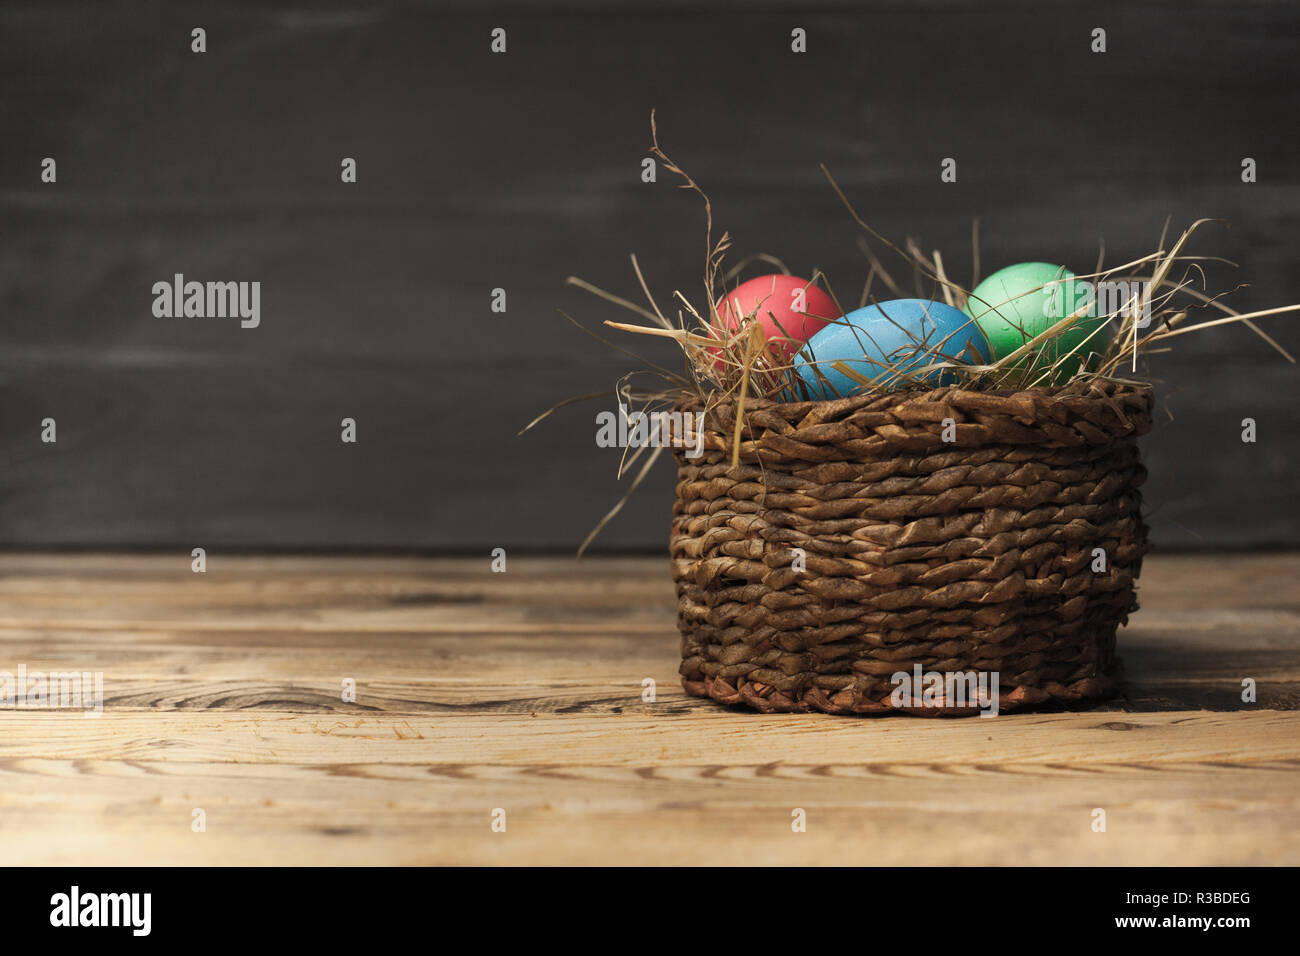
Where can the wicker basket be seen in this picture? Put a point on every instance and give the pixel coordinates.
(970, 555)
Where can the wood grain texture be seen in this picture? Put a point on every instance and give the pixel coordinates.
(478, 171)
(522, 691)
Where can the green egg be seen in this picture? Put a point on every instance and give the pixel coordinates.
(1019, 302)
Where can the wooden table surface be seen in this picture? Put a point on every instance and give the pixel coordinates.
(522, 691)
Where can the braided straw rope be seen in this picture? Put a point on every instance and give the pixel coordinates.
(971, 555)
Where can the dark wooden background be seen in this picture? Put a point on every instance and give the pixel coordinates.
(478, 171)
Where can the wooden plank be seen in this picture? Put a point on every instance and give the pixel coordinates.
(580, 791)
(461, 595)
(550, 635)
(48, 590)
(1158, 834)
(879, 814)
(642, 737)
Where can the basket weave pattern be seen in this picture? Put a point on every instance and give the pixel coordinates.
(969, 555)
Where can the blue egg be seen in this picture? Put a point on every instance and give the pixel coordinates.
(909, 334)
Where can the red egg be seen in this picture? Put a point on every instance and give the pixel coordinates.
(791, 310)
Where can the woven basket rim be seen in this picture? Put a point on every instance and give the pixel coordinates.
(869, 426)
(1098, 390)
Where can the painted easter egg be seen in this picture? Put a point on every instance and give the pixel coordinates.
(1024, 300)
(791, 310)
(885, 341)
